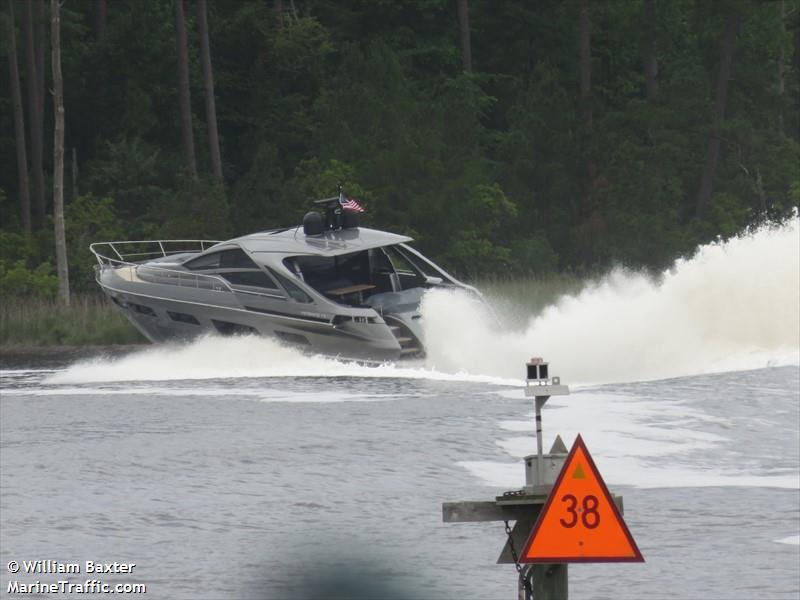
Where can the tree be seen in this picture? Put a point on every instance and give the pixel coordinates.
(591, 118)
(184, 94)
(720, 102)
(58, 154)
(781, 59)
(208, 86)
(35, 115)
(100, 19)
(463, 27)
(41, 49)
(650, 63)
(99, 26)
(23, 188)
(586, 64)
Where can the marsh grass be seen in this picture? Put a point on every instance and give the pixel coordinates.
(89, 320)
(520, 298)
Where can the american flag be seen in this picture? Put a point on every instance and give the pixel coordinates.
(350, 204)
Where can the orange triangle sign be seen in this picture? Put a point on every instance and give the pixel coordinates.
(580, 522)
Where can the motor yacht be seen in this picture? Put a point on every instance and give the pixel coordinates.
(327, 286)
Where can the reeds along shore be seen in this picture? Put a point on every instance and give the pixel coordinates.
(90, 319)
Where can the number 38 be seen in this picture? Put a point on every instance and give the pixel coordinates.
(587, 514)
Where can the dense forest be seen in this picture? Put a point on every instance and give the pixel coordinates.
(506, 137)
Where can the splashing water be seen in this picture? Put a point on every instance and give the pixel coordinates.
(213, 357)
(734, 305)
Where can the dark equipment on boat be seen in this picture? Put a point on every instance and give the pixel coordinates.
(349, 219)
(313, 223)
(336, 216)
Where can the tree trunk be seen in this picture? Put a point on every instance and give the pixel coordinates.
(74, 172)
(720, 102)
(586, 65)
(41, 48)
(590, 219)
(796, 60)
(99, 25)
(279, 12)
(208, 86)
(19, 125)
(184, 94)
(58, 155)
(35, 125)
(650, 63)
(463, 26)
(100, 19)
(781, 59)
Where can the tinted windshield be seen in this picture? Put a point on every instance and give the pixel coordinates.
(352, 278)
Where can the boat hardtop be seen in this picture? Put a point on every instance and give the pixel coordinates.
(329, 243)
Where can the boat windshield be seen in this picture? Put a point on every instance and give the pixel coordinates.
(351, 278)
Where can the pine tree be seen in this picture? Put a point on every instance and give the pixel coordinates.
(208, 87)
(184, 93)
(58, 155)
(23, 186)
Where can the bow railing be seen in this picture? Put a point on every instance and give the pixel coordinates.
(132, 260)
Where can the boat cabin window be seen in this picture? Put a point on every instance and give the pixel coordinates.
(234, 258)
(354, 277)
(255, 278)
(236, 267)
(293, 290)
(325, 273)
(409, 275)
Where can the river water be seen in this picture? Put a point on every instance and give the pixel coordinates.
(236, 468)
(260, 487)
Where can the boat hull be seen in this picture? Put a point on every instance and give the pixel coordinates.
(161, 318)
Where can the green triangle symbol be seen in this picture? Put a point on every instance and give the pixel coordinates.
(578, 473)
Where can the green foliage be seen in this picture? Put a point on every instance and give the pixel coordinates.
(88, 219)
(22, 273)
(494, 170)
(137, 176)
(480, 227)
(16, 279)
(534, 255)
(199, 210)
(13, 247)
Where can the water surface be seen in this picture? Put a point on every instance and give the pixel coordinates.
(260, 486)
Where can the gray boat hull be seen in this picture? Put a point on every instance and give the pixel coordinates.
(157, 315)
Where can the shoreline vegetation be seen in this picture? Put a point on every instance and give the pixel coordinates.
(37, 325)
(89, 320)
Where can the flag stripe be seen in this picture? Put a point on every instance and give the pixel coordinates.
(350, 204)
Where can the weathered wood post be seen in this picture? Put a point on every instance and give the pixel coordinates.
(546, 578)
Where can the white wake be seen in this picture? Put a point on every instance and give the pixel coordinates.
(733, 306)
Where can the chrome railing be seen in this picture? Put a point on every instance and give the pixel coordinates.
(144, 250)
(163, 250)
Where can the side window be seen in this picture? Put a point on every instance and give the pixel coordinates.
(251, 278)
(234, 258)
(294, 291)
(209, 261)
(400, 262)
